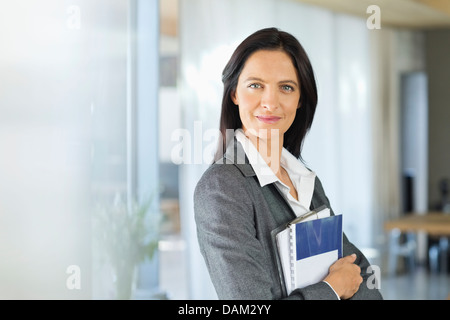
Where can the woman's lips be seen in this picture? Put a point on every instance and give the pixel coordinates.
(268, 119)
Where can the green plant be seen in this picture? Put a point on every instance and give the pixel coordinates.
(127, 234)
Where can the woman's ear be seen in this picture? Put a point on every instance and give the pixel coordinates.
(234, 98)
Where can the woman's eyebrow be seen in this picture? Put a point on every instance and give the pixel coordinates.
(254, 79)
(279, 82)
(289, 81)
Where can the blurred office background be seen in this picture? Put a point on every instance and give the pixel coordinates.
(98, 97)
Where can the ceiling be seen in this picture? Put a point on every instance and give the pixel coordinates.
(417, 14)
(169, 17)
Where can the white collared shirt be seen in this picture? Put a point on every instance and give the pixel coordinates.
(302, 178)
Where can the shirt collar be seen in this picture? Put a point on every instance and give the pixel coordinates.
(302, 178)
(262, 170)
(293, 166)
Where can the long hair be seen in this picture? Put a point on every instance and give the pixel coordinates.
(270, 39)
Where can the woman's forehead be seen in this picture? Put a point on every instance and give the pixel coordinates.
(270, 64)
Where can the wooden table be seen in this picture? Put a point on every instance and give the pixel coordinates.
(433, 223)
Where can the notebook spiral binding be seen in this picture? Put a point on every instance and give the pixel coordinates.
(292, 241)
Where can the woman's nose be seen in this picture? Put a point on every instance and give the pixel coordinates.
(269, 99)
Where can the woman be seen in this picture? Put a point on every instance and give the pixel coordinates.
(258, 182)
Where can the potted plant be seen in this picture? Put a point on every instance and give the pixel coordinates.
(126, 235)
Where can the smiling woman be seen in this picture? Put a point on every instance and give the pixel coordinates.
(269, 102)
(292, 75)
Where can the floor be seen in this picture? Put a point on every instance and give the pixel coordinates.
(172, 271)
(417, 285)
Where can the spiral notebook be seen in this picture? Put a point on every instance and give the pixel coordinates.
(307, 247)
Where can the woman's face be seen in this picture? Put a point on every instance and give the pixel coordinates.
(267, 93)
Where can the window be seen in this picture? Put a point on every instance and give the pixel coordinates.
(78, 133)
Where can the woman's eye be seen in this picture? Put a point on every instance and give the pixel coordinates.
(287, 88)
(255, 86)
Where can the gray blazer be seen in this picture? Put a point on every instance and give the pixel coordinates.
(235, 217)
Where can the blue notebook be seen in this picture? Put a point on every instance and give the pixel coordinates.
(307, 247)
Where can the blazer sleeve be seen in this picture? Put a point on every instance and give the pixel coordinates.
(227, 239)
(236, 259)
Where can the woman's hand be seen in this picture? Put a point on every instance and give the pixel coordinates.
(345, 277)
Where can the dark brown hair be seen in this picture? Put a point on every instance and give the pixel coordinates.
(270, 39)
